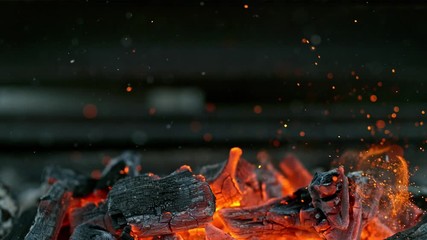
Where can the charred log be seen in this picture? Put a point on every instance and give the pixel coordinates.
(332, 207)
(91, 214)
(127, 164)
(88, 231)
(54, 204)
(249, 185)
(224, 185)
(273, 183)
(287, 218)
(126, 233)
(68, 177)
(233, 184)
(295, 172)
(178, 202)
(51, 212)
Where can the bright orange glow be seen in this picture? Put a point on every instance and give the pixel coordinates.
(135, 232)
(235, 204)
(129, 89)
(246, 6)
(302, 134)
(393, 115)
(373, 98)
(388, 170)
(382, 167)
(97, 197)
(124, 171)
(225, 187)
(195, 233)
(392, 168)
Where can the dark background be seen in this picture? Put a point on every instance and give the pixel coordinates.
(181, 83)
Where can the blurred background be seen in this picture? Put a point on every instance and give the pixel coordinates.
(182, 83)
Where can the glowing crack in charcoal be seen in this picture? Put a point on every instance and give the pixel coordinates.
(365, 197)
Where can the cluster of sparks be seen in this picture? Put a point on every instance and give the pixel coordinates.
(378, 126)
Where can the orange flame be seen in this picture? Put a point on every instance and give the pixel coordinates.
(386, 164)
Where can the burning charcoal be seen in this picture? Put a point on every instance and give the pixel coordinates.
(54, 204)
(84, 214)
(8, 210)
(224, 186)
(417, 232)
(332, 207)
(91, 214)
(295, 172)
(127, 164)
(177, 202)
(51, 212)
(68, 177)
(329, 191)
(375, 230)
(173, 236)
(211, 172)
(80, 184)
(249, 185)
(194, 234)
(214, 233)
(343, 201)
(286, 218)
(126, 233)
(387, 165)
(273, 183)
(88, 231)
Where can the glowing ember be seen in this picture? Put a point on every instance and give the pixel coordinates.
(387, 166)
(365, 197)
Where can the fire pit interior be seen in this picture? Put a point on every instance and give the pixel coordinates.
(209, 120)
